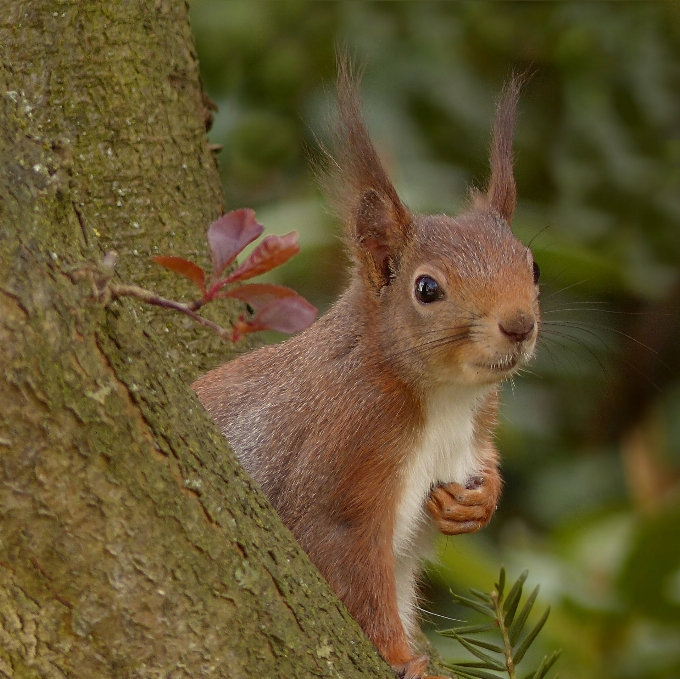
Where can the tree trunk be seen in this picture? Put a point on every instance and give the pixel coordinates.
(131, 542)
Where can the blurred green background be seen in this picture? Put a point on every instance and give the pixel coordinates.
(590, 435)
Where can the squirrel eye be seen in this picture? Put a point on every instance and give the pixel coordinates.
(427, 290)
(537, 273)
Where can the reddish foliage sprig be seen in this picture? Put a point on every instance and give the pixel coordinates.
(277, 307)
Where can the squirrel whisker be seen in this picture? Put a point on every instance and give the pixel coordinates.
(548, 332)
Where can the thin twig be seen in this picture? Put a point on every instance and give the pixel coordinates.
(500, 617)
(152, 298)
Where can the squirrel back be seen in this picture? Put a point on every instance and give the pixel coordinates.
(373, 428)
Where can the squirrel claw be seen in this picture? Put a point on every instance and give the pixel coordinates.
(414, 668)
(457, 509)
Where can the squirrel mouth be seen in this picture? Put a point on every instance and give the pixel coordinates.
(501, 365)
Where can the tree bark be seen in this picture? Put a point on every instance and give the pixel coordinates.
(132, 544)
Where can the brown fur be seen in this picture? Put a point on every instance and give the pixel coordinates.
(328, 421)
(502, 192)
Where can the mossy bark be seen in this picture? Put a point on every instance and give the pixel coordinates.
(131, 542)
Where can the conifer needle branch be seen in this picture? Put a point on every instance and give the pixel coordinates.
(500, 616)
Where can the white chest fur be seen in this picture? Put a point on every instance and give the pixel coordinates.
(444, 452)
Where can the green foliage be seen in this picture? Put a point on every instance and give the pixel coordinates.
(507, 624)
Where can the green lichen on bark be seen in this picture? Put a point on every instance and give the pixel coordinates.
(132, 544)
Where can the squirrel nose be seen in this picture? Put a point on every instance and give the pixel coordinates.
(518, 327)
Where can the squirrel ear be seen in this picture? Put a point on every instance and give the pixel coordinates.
(502, 192)
(377, 223)
(379, 235)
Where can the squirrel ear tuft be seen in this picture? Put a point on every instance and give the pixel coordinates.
(378, 225)
(502, 192)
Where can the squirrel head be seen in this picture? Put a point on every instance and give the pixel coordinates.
(447, 299)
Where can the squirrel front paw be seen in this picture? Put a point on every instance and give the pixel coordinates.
(460, 509)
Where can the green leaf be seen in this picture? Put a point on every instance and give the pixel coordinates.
(469, 603)
(539, 672)
(551, 661)
(479, 654)
(547, 665)
(518, 624)
(528, 640)
(510, 605)
(500, 585)
(481, 595)
(471, 672)
(468, 629)
(485, 644)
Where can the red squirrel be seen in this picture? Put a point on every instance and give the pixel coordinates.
(373, 429)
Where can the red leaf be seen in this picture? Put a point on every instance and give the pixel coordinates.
(259, 294)
(183, 266)
(288, 314)
(271, 252)
(229, 234)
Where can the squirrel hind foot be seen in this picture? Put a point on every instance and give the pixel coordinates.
(414, 669)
